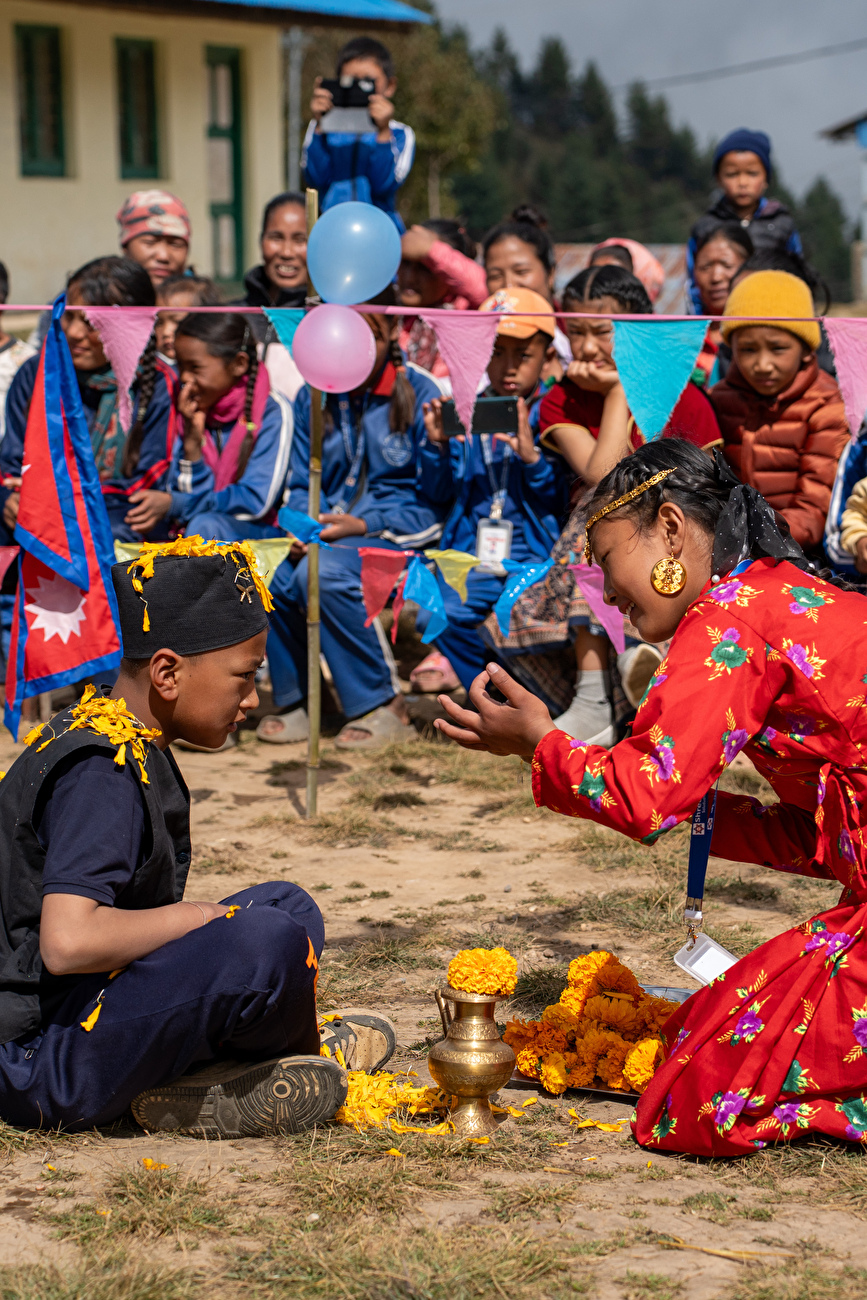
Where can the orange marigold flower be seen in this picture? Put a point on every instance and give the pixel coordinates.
(583, 969)
(610, 1066)
(559, 1016)
(554, 1074)
(620, 1015)
(529, 1063)
(641, 1063)
(521, 1033)
(573, 1000)
(491, 971)
(613, 975)
(581, 1076)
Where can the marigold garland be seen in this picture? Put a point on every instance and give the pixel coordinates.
(604, 1028)
(492, 971)
(109, 718)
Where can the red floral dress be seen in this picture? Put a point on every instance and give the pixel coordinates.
(772, 662)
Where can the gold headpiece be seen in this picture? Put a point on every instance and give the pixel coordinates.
(615, 505)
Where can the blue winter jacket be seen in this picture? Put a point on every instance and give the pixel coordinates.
(158, 444)
(537, 496)
(367, 470)
(851, 468)
(344, 167)
(259, 490)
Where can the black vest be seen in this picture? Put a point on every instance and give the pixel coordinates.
(28, 993)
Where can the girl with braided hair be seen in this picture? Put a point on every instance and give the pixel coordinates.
(767, 658)
(233, 451)
(129, 464)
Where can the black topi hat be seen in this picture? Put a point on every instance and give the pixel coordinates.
(189, 596)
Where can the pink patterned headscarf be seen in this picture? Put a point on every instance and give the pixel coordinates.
(153, 212)
(645, 267)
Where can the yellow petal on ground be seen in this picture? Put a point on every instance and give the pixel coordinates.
(559, 1144)
(393, 1151)
(454, 566)
(324, 1049)
(482, 1141)
(152, 1164)
(531, 1101)
(339, 1057)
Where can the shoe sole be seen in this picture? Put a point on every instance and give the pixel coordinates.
(282, 1096)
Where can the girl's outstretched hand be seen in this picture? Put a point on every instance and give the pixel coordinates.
(523, 443)
(514, 726)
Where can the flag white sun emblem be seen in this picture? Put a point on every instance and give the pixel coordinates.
(57, 607)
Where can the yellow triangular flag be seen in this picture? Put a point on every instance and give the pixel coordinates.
(454, 566)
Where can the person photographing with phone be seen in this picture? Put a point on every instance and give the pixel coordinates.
(367, 155)
(510, 496)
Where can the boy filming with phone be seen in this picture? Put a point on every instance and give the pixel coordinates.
(510, 495)
(353, 149)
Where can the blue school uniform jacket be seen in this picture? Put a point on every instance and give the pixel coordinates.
(259, 491)
(537, 496)
(344, 167)
(367, 470)
(158, 440)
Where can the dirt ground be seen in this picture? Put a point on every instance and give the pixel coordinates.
(416, 852)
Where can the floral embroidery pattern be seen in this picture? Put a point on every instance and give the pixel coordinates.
(734, 739)
(796, 1081)
(728, 1106)
(859, 1031)
(659, 764)
(593, 789)
(806, 600)
(733, 592)
(727, 653)
(805, 659)
(855, 1110)
(665, 1124)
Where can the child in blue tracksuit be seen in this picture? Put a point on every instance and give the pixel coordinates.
(232, 461)
(370, 167)
(372, 445)
(129, 465)
(489, 477)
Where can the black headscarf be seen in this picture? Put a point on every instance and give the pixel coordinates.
(749, 527)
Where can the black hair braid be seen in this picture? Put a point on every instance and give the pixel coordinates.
(615, 282)
(250, 435)
(401, 412)
(145, 384)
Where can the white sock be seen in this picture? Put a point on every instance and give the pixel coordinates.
(590, 712)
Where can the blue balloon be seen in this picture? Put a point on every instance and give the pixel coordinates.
(352, 254)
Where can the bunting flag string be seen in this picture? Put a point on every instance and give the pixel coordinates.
(654, 360)
(380, 570)
(454, 566)
(591, 580)
(520, 577)
(465, 343)
(124, 334)
(285, 321)
(848, 339)
(421, 586)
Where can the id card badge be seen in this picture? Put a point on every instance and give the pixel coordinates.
(493, 544)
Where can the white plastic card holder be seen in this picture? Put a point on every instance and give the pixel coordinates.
(706, 960)
(493, 544)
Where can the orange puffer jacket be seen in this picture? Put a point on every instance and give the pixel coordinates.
(787, 447)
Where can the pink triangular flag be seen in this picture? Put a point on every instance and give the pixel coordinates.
(849, 343)
(591, 581)
(380, 570)
(124, 333)
(466, 344)
(396, 607)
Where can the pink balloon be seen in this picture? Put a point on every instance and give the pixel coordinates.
(334, 348)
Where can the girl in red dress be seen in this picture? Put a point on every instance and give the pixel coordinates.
(768, 659)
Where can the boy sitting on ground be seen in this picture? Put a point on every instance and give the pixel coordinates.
(115, 990)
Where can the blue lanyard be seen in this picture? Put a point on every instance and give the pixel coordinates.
(701, 835)
(498, 494)
(354, 457)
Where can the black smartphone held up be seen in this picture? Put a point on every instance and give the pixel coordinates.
(492, 415)
(351, 96)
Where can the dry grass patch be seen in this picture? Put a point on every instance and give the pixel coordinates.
(147, 1204)
(97, 1278)
(799, 1281)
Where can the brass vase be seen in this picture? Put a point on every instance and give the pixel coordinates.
(471, 1061)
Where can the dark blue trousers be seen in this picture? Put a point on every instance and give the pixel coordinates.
(237, 987)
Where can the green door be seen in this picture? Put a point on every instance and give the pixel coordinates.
(226, 163)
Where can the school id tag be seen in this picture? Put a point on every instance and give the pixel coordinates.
(493, 544)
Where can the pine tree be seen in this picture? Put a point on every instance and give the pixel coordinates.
(823, 227)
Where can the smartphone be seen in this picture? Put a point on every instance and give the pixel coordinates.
(349, 115)
(492, 415)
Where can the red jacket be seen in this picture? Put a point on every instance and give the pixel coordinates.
(787, 447)
(692, 419)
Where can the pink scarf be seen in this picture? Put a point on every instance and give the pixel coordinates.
(231, 407)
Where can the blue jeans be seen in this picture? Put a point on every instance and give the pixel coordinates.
(242, 987)
(359, 657)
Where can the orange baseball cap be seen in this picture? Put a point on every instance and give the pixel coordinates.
(511, 303)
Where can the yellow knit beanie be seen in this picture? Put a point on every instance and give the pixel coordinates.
(772, 293)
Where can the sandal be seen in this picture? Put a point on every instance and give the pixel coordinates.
(637, 667)
(367, 1040)
(229, 743)
(383, 728)
(434, 675)
(292, 728)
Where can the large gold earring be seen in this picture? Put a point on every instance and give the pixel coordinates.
(668, 576)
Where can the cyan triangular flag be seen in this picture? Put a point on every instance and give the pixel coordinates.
(285, 321)
(301, 526)
(520, 577)
(421, 586)
(654, 360)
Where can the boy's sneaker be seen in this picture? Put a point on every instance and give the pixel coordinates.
(367, 1039)
(232, 1099)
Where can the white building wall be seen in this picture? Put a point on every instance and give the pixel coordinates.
(49, 226)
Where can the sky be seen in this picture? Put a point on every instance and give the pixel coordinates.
(644, 39)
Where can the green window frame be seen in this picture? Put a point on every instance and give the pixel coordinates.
(226, 162)
(39, 59)
(138, 116)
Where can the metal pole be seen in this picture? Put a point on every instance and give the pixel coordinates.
(314, 680)
(294, 45)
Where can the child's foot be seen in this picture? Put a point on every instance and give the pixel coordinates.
(283, 728)
(232, 1099)
(366, 1038)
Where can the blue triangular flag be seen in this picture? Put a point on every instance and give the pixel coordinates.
(654, 360)
(422, 587)
(521, 576)
(301, 525)
(285, 321)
